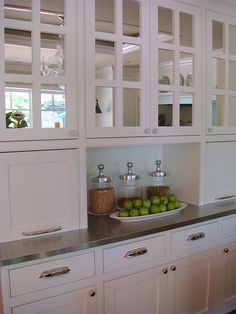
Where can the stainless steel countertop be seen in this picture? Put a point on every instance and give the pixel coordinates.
(105, 230)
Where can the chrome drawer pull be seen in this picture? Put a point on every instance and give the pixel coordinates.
(136, 252)
(196, 236)
(42, 231)
(225, 197)
(55, 272)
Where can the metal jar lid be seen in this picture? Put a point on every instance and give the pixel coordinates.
(101, 178)
(129, 176)
(158, 172)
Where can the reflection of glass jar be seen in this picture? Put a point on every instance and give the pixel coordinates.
(129, 186)
(101, 194)
(156, 182)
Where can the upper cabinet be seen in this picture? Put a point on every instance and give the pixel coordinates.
(37, 69)
(221, 70)
(143, 68)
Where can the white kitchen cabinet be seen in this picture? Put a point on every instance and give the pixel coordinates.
(37, 69)
(123, 99)
(220, 173)
(39, 193)
(221, 78)
(81, 301)
(143, 292)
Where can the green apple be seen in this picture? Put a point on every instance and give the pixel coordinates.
(164, 200)
(143, 211)
(172, 198)
(123, 213)
(170, 206)
(128, 204)
(134, 212)
(163, 208)
(137, 203)
(146, 203)
(154, 209)
(177, 204)
(155, 200)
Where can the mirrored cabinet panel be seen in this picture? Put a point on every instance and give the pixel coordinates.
(131, 17)
(165, 25)
(221, 69)
(38, 75)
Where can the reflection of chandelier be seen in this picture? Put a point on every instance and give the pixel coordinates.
(54, 66)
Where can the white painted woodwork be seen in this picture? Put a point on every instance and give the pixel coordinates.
(220, 171)
(74, 302)
(229, 227)
(40, 190)
(116, 257)
(143, 292)
(191, 284)
(80, 267)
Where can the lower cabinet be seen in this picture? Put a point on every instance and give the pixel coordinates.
(182, 287)
(82, 301)
(227, 278)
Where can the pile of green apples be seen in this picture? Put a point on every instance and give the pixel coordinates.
(154, 205)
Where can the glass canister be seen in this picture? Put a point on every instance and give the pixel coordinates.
(157, 182)
(129, 186)
(101, 194)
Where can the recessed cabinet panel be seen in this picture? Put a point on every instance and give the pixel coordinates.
(220, 184)
(40, 192)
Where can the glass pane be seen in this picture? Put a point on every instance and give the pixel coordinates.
(218, 36)
(131, 62)
(166, 66)
(186, 29)
(105, 59)
(218, 76)
(53, 106)
(18, 10)
(186, 67)
(104, 16)
(185, 114)
(131, 24)
(52, 54)
(232, 75)
(232, 110)
(131, 107)
(232, 40)
(18, 104)
(165, 25)
(18, 51)
(165, 108)
(217, 110)
(52, 12)
(105, 107)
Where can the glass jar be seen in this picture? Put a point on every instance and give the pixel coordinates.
(129, 186)
(101, 194)
(157, 182)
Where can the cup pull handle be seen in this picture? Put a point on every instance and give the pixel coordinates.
(136, 252)
(55, 272)
(196, 236)
(41, 231)
(225, 197)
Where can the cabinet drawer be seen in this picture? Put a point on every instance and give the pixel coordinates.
(133, 253)
(198, 237)
(49, 274)
(229, 227)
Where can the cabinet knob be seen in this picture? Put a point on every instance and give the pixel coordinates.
(165, 270)
(173, 267)
(155, 131)
(226, 250)
(92, 293)
(147, 131)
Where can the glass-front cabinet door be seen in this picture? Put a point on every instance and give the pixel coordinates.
(117, 54)
(221, 74)
(37, 69)
(175, 68)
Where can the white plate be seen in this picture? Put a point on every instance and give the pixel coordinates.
(148, 217)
